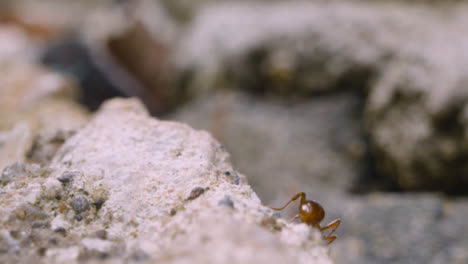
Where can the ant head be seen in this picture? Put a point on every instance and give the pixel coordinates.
(311, 212)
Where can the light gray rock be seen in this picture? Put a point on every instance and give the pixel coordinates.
(142, 179)
(291, 47)
(415, 111)
(305, 47)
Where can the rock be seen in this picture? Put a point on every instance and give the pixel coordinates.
(73, 57)
(97, 244)
(142, 169)
(67, 177)
(383, 228)
(417, 125)
(315, 145)
(146, 58)
(406, 63)
(197, 191)
(14, 144)
(37, 113)
(130, 53)
(309, 47)
(226, 201)
(102, 234)
(298, 48)
(15, 45)
(45, 145)
(26, 86)
(80, 204)
(12, 171)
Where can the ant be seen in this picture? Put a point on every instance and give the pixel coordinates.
(312, 213)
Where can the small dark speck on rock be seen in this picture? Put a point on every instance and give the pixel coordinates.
(15, 234)
(78, 218)
(197, 191)
(80, 204)
(139, 256)
(61, 230)
(102, 234)
(98, 203)
(173, 212)
(39, 225)
(234, 176)
(41, 251)
(226, 201)
(66, 177)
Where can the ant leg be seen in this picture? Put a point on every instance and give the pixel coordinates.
(333, 225)
(330, 238)
(292, 219)
(301, 194)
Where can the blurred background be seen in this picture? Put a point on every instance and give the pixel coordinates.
(363, 105)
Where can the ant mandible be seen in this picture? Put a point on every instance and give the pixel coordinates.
(312, 213)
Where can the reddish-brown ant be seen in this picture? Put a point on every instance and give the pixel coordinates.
(312, 213)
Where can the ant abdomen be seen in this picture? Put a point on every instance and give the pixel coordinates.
(311, 213)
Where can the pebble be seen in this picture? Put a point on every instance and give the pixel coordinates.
(66, 177)
(11, 172)
(197, 191)
(80, 204)
(102, 234)
(226, 201)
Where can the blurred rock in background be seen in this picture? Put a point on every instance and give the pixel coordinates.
(37, 108)
(408, 63)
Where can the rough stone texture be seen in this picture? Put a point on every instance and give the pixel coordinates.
(315, 145)
(141, 179)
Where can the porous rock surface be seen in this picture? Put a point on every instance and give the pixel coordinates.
(129, 188)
